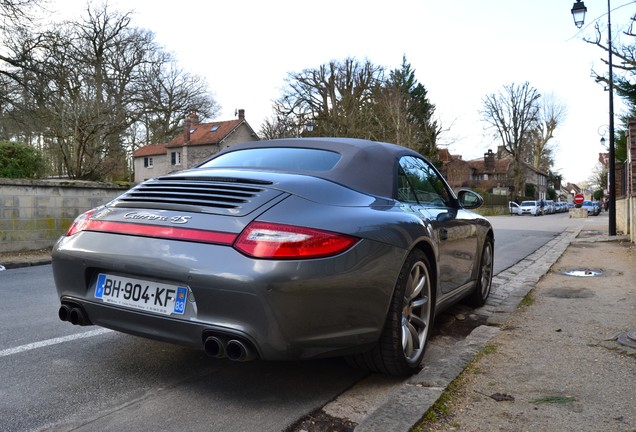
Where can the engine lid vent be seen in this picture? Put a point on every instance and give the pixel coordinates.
(198, 195)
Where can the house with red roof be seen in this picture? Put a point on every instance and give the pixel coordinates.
(492, 173)
(197, 142)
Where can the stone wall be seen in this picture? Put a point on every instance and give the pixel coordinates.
(35, 213)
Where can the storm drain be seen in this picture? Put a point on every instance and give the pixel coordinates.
(583, 273)
(627, 339)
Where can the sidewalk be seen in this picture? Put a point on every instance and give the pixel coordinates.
(561, 345)
(554, 363)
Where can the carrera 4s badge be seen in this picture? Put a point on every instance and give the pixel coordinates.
(180, 220)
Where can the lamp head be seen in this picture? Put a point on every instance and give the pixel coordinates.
(578, 13)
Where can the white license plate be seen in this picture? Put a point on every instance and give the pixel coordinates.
(141, 294)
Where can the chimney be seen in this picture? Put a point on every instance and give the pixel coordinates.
(489, 161)
(191, 120)
(187, 125)
(241, 114)
(194, 118)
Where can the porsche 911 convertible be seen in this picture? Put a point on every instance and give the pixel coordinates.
(282, 249)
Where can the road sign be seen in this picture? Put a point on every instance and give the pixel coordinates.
(579, 198)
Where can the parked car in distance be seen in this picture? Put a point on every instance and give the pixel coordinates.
(514, 208)
(592, 208)
(282, 249)
(548, 207)
(530, 208)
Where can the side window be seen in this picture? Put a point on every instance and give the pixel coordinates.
(419, 183)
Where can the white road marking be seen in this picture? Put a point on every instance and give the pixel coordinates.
(54, 341)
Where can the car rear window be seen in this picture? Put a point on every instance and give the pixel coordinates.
(278, 158)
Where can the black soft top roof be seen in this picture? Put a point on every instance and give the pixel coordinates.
(366, 166)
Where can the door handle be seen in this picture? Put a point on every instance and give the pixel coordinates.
(443, 234)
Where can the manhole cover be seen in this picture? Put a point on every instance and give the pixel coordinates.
(583, 273)
(627, 339)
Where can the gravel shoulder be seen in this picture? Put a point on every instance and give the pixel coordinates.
(556, 364)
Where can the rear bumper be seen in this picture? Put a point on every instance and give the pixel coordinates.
(285, 309)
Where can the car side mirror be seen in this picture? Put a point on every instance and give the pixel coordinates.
(469, 199)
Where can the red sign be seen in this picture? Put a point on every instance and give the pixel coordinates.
(579, 198)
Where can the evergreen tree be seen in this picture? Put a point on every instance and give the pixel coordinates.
(418, 108)
(19, 160)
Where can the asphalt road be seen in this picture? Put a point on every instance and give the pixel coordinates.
(516, 237)
(54, 376)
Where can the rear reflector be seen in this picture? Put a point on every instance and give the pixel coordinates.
(84, 223)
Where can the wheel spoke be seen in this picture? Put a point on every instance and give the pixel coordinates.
(417, 280)
(419, 302)
(486, 270)
(410, 339)
(419, 322)
(407, 341)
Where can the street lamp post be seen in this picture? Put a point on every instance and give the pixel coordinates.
(578, 13)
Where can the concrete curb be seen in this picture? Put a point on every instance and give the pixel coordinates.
(19, 263)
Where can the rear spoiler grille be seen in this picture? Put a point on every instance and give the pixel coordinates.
(205, 195)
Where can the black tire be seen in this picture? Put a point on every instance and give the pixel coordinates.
(401, 347)
(480, 293)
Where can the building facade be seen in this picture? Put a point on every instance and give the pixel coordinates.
(494, 173)
(196, 143)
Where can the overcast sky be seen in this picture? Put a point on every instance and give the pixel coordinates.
(461, 51)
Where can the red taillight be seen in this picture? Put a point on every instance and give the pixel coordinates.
(267, 240)
(80, 222)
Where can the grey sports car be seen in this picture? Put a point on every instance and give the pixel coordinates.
(282, 249)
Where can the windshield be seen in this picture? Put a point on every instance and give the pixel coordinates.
(528, 203)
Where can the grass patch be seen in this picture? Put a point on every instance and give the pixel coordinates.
(527, 300)
(442, 409)
(488, 349)
(553, 400)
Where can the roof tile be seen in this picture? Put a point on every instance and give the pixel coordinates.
(150, 150)
(205, 133)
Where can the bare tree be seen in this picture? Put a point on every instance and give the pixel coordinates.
(510, 115)
(357, 99)
(89, 88)
(337, 96)
(168, 94)
(14, 12)
(284, 127)
(624, 71)
(552, 112)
